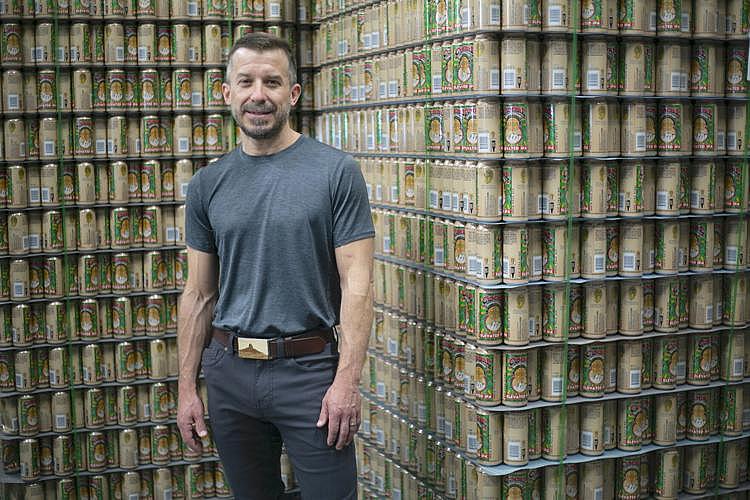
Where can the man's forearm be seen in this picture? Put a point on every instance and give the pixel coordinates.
(193, 329)
(356, 321)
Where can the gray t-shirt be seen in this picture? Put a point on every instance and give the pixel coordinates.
(274, 222)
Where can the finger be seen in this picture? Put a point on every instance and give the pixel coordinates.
(334, 421)
(344, 430)
(200, 425)
(186, 431)
(323, 418)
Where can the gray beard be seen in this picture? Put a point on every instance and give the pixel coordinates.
(279, 122)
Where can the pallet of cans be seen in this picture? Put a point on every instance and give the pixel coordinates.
(107, 109)
(561, 230)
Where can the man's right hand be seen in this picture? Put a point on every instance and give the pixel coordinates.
(190, 419)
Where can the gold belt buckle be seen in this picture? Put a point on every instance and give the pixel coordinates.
(253, 348)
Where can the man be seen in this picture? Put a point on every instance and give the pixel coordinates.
(280, 245)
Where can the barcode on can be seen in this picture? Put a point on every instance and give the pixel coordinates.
(514, 450)
(34, 195)
(433, 199)
(13, 102)
(119, 53)
(599, 261)
(652, 21)
(628, 261)
(557, 386)
(554, 15)
(473, 444)
(46, 195)
(394, 194)
(379, 192)
(183, 144)
(536, 265)
(494, 79)
(49, 148)
(593, 79)
(681, 369)
(731, 255)
(709, 313)
(675, 81)
(439, 257)
(35, 241)
(738, 367)
(18, 289)
(143, 53)
(74, 54)
(61, 421)
(448, 429)
(484, 142)
(640, 141)
(635, 379)
(558, 78)
(446, 200)
(101, 146)
(587, 440)
(275, 9)
(382, 90)
(192, 8)
(386, 244)
(731, 140)
(613, 377)
(662, 200)
(685, 25)
(495, 14)
(509, 78)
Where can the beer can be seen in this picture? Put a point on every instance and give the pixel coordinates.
(11, 50)
(592, 429)
(593, 375)
(515, 439)
(709, 128)
(489, 440)
(522, 136)
(637, 67)
(632, 423)
(594, 190)
(514, 250)
(555, 125)
(515, 54)
(707, 71)
(629, 367)
(555, 238)
(700, 415)
(29, 459)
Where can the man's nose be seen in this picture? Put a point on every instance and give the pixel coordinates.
(257, 93)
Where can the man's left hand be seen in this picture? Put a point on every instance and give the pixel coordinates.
(340, 410)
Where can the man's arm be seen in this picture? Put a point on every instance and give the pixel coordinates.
(341, 404)
(196, 310)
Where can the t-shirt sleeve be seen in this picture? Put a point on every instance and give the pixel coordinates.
(198, 232)
(352, 220)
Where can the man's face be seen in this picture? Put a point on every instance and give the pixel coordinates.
(259, 93)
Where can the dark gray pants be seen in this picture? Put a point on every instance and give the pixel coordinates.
(254, 406)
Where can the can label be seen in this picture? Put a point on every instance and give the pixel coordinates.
(151, 139)
(485, 376)
(420, 72)
(213, 81)
(700, 255)
(592, 379)
(635, 421)
(10, 44)
(628, 478)
(700, 414)
(463, 66)
(704, 128)
(515, 382)
(46, 90)
(121, 228)
(149, 89)
(116, 86)
(700, 71)
(490, 327)
(515, 122)
(446, 68)
(736, 68)
(701, 359)
(435, 128)
(670, 127)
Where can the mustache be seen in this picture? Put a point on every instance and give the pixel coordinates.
(265, 108)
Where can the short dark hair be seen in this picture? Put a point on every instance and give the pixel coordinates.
(260, 41)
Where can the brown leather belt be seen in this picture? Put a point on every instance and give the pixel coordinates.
(310, 342)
